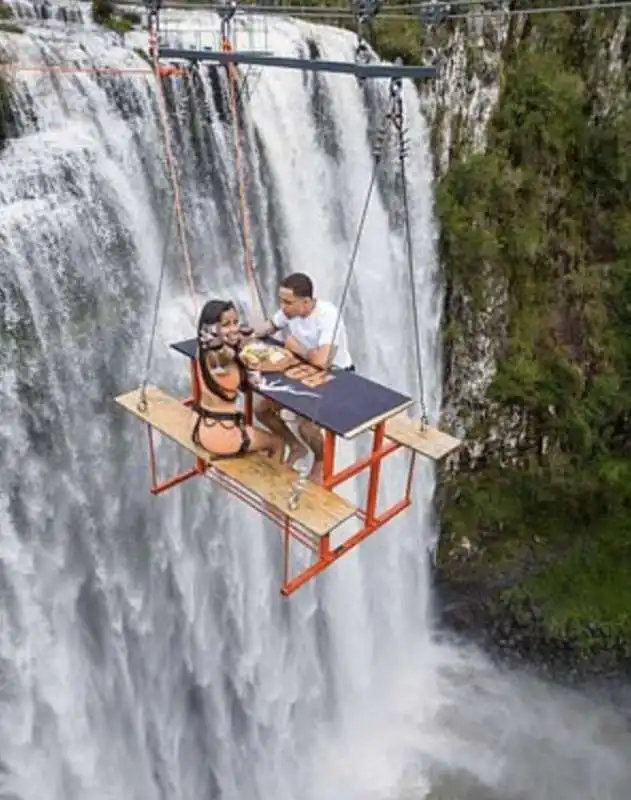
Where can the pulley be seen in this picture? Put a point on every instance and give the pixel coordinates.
(434, 13)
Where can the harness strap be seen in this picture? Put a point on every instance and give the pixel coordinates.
(212, 385)
(238, 418)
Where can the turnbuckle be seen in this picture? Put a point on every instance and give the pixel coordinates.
(396, 96)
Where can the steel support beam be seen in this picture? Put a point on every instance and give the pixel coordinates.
(312, 65)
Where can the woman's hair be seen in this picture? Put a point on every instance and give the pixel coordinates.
(208, 333)
(212, 312)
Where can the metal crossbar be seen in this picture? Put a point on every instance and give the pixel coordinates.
(313, 65)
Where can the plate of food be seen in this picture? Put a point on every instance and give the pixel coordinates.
(264, 357)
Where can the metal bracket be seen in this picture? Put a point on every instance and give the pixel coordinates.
(396, 92)
(365, 11)
(226, 11)
(153, 26)
(142, 404)
(434, 13)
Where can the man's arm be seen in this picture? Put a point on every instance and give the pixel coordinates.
(318, 356)
(323, 354)
(270, 326)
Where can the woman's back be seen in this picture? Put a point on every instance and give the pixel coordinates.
(227, 379)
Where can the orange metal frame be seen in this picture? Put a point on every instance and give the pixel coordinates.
(320, 546)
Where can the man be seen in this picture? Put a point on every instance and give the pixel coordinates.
(307, 326)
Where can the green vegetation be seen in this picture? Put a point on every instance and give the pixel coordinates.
(105, 12)
(545, 213)
(6, 13)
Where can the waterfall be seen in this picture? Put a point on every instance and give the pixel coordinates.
(145, 651)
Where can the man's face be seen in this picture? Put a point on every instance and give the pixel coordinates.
(291, 305)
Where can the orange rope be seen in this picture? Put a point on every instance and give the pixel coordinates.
(177, 199)
(159, 71)
(243, 208)
(71, 69)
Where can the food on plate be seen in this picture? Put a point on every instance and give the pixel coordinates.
(257, 354)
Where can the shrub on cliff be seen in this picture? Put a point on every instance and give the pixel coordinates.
(544, 213)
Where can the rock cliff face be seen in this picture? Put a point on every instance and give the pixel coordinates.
(532, 135)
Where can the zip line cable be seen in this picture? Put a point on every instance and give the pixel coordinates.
(443, 11)
(386, 10)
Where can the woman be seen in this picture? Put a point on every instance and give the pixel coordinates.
(219, 427)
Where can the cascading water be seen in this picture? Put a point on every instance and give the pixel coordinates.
(158, 658)
(144, 649)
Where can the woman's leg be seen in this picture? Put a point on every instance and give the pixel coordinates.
(268, 412)
(263, 441)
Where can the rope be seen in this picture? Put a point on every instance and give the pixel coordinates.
(73, 69)
(396, 93)
(395, 115)
(380, 149)
(172, 165)
(382, 141)
(250, 269)
(142, 403)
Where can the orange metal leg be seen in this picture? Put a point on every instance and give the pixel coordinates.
(375, 470)
(371, 522)
(329, 458)
(157, 487)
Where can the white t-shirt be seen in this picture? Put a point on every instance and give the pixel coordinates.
(316, 330)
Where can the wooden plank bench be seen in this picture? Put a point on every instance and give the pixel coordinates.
(319, 511)
(429, 442)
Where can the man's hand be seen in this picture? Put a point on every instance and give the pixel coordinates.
(264, 329)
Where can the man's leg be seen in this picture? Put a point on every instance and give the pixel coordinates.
(268, 413)
(313, 437)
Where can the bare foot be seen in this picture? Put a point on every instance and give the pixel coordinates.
(296, 452)
(316, 473)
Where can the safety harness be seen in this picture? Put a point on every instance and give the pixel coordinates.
(209, 341)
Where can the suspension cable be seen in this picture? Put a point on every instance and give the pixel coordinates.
(154, 53)
(380, 149)
(142, 403)
(227, 13)
(381, 143)
(396, 91)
